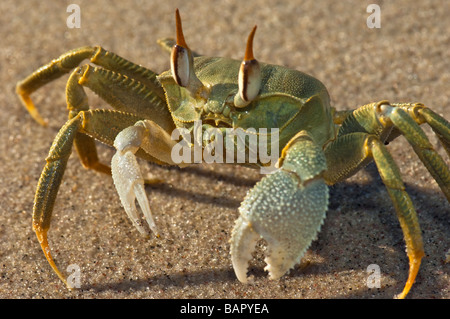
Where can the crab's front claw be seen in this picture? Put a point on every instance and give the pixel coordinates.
(128, 178)
(286, 209)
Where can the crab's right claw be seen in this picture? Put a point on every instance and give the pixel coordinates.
(128, 179)
(286, 208)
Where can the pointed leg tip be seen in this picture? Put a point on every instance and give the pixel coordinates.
(32, 110)
(37, 117)
(70, 287)
(400, 296)
(405, 292)
(414, 265)
(42, 238)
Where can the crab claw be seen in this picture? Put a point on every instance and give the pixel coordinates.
(128, 178)
(286, 209)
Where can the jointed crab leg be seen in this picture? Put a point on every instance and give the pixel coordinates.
(113, 85)
(124, 93)
(113, 82)
(439, 125)
(406, 213)
(372, 147)
(422, 114)
(419, 141)
(102, 124)
(70, 60)
(47, 73)
(85, 145)
(130, 134)
(365, 130)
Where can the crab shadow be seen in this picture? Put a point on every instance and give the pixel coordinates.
(191, 194)
(165, 281)
(349, 192)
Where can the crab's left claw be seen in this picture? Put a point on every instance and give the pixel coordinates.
(286, 208)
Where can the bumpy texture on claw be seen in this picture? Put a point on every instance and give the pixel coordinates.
(287, 209)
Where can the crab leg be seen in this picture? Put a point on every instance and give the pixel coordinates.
(439, 125)
(286, 208)
(146, 101)
(405, 123)
(114, 88)
(342, 163)
(365, 130)
(102, 124)
(340, 116)
(422, 114)
(70, 60)
(47, 73)
(406, 213)
(122, 93)
(77, 101)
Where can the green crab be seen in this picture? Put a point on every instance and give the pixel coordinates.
(317, 145)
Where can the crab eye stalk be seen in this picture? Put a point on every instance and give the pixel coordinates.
(182, 62)
(180, 58)
(249, 75)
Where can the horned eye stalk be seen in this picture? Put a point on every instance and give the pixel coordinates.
(182, 67)
(249, 75)
(182, 63)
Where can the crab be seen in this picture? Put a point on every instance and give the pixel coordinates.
(316, 145)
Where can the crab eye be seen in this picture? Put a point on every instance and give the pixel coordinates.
(182, 62)
(249, 75)
(180, 65)
(179, 59)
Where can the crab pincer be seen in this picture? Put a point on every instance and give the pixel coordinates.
(286, 209)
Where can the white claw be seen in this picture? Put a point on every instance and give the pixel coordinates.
(287, 214)
(128, 179)
(243, 244)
